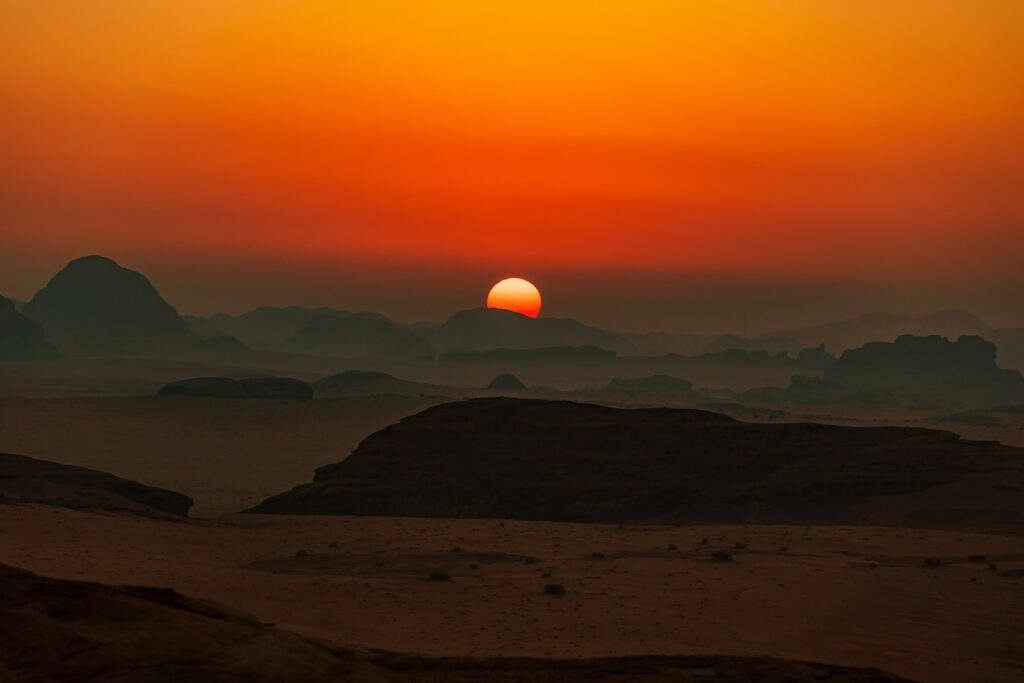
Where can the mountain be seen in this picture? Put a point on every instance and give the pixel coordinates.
(558, 460)
(481, 329)
(366, 382)
(1011, 347)
(267, 326)
(78, 631)
(855, 332)
(506, 382)
(94, 307)
(961, 373)
(356, 337)
(20, 337)
(660, 343)
(41, 482)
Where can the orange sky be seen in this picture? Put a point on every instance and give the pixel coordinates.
(775, 138)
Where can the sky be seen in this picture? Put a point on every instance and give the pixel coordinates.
(647, 163)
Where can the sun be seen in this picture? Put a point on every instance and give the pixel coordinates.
(515, 294)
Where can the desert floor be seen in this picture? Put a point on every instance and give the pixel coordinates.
(226, 454)
(857, 596)
(847, 595)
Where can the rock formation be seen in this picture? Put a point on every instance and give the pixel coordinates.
(20, 337)
(94, 307)
(29, 480)
(558, 460)
(506, 382)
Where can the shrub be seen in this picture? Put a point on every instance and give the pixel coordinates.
(597, 556)
(554, 589)
(721, 556)
(439, 576)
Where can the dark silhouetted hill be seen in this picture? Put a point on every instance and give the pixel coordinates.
(812, 359)
(480, 329)
(855, 332)
(267, 326)
(556, 460)
(94, 307)
(278, 388)
(75, 631)
(367, 382)
(506, 382)
(29, 480)
(960, 373)
(21, 338)
(654, 385)
(1011, 347)
(356, 337)
(817, 391)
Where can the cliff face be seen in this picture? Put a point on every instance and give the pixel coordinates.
(557, 460)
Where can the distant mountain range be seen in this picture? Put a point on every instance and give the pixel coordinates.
(482, 329)
(95, 307)
(855, 332)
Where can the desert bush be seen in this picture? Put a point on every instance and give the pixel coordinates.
(553, 589)
(721, 556)
(439, 576)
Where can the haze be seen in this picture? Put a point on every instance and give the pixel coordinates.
(722, 160)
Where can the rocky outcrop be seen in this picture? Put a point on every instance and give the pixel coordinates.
(961, 373)
(506, 382)
(28, 480)
(94, 307)
(884, 326)
(76, 631)
(557, 460)
(368, 382)
(281, 388)
(20, 337)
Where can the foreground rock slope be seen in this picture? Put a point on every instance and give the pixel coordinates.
(74, 631)
(29, 480)
(557, 460)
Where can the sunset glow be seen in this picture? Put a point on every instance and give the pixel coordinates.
(743, 138)
(515, 294)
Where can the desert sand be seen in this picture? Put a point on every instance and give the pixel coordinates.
(854, 596)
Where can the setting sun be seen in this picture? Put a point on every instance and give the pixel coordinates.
(515, 294)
